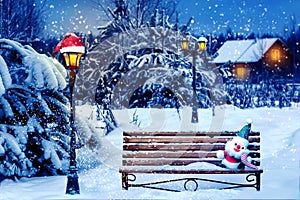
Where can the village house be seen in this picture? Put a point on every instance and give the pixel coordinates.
(255, 60)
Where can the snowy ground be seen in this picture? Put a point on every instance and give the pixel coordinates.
(280, 146)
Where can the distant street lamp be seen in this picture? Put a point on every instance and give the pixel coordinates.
(202, 41)
(72, 49)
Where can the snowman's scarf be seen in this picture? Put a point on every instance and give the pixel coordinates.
(245, 161)
(230, 158)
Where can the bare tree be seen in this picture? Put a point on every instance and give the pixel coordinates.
(21, 19)
(139, 11)
(124, 15)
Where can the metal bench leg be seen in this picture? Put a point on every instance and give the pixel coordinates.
(124, 181)
(257, 174)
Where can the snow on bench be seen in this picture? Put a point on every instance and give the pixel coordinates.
(177, 153)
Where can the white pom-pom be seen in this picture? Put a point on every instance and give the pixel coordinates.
(249, 121)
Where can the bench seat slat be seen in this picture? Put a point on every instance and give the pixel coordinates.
(189, 171)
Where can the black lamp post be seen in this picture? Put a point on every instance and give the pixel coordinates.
(72, 49)
(202, 41)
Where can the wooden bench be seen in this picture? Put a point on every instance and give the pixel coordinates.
(150, 152)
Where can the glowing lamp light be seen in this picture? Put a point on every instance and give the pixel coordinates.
(72, 59)
(202, 41)
(185, 44)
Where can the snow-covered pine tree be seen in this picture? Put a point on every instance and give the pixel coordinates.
(34, 116)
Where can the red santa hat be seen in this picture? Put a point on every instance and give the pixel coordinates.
(70, 43)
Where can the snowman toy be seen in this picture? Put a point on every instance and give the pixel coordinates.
(236, 153)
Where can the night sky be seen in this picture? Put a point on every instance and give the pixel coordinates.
(259, 16)
(210, 16)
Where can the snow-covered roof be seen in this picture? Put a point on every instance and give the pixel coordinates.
(243, 51)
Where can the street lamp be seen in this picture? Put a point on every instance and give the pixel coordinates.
(72, 49)
(202, 41)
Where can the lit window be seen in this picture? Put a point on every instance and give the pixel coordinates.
(275, 54)
(242, 72)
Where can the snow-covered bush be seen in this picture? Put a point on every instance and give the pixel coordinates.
(33, 112)
(155, 73)
(263, 94)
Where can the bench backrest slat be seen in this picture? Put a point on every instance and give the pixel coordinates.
(209, 134)
(181, 140)
(182, 147)
(170, 162)
(178, 155)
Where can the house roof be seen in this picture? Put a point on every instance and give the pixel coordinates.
(243, 51)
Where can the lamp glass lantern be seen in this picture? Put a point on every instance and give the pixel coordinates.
(202, 41)
(72, 59)
(185, 44)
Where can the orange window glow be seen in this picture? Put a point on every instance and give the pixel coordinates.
(242, 73)
(275, 54)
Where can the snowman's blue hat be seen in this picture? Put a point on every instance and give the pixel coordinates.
(244, 132)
